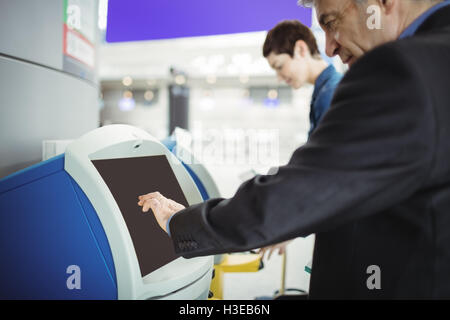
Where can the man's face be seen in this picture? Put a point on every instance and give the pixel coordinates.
(291, 70)
(346, 28)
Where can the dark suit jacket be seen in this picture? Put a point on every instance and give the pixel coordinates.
(373, 181)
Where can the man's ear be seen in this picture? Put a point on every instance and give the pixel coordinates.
(387, 5)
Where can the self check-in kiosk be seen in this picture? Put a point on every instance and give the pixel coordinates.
(70, 227)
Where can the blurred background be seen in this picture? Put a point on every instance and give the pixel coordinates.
(70, 66)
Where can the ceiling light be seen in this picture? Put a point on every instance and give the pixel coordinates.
(272, 94)
(180, 79)
(127, 81)
(149, 95)
(128, 94)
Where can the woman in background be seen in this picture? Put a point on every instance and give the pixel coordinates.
(291, 50)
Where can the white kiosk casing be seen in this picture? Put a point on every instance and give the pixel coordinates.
(180, 278)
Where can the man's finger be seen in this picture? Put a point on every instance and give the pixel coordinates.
(270, 253)
(153, 204)
(141, 202)
(262, 252)
(151, 195)
(146, 206)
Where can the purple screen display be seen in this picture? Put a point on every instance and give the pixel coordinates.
(137, 20)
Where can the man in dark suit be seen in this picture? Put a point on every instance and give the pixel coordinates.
(373, 181)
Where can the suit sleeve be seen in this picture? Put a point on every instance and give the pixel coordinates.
(373, 149)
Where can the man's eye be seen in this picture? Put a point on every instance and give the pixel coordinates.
(330, 25)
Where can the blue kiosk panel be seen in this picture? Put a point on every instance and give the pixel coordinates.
(47, 225)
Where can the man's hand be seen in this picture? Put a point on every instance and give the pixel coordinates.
(162, 207)
(281, 247)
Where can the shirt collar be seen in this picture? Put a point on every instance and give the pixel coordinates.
(414, 26)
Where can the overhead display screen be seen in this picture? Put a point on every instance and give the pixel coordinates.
(138, 20)
(128, 178)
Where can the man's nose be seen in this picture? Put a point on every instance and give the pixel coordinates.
(332, 46)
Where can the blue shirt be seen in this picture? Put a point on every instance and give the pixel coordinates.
(323, 93)
(413, 27)
(167, 225)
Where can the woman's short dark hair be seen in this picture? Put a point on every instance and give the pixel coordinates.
(282, 38)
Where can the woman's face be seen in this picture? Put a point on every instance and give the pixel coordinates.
(292, 70)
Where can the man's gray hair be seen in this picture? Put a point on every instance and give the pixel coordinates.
(305, 3)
